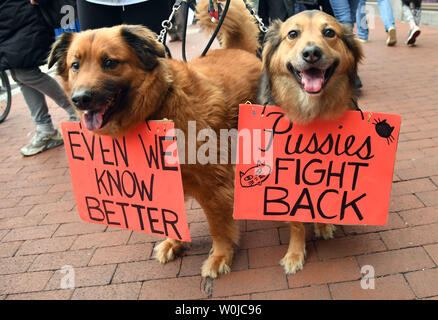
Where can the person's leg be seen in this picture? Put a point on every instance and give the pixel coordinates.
(416, 11)
(415, 31)
(299, 7)
(353, 10)
(263, 11)
(326, 7)
(342, 11)
(361, 21)
(192, 4)
(45, 85)
(312, 6)
(354, 4)
(46, 136)
(407, 13)
(277, 10)
(35, 101)
(290, 7)
(386, 13)
(93, 16)
(149, 14)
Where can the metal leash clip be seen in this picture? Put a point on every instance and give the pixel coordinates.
(251, 10)
(167, 24)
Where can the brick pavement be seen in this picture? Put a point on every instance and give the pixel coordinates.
(40, 231)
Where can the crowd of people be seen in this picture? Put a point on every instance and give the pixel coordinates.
(26, 38)
(348, 12)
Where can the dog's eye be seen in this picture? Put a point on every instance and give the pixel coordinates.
(110, 64)
(75, 66)
(329, 33)
(293, 34)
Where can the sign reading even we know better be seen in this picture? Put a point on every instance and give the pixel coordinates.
(327, 171)
(128, 182)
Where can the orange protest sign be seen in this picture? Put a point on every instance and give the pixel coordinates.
(132, 182)
(336, 172)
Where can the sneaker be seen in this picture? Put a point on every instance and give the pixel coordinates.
(412, 36)
(392, 37)
(42, 141)
(362, 40)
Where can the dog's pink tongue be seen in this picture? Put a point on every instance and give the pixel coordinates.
(312, 80)
(93, 119)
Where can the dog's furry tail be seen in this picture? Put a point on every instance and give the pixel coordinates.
(239, 29)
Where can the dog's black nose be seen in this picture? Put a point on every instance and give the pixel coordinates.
(82, 98)
(312, 54)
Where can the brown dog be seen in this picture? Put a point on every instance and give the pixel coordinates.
(119, 77)
(309, 65)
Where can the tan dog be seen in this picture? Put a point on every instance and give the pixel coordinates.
(119, 77)
(309, 65)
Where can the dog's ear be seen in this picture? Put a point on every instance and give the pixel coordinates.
(144, 43)
(58, 54)
(270, 45)
(271, 42)
(352, 44)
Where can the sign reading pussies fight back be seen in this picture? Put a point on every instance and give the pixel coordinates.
(336, 172)
(132, 182)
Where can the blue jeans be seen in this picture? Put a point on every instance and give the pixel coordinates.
(385, 9)
(345, 11)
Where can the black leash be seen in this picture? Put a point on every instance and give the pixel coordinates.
(186, 18)
(252, 11)
(169, 55)
(167, 25)
(213, 36)
(262, 27)
(357, 108)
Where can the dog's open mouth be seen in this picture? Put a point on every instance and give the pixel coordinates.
(313, 80)
(97, 118)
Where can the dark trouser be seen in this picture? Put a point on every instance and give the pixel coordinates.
(417, 3)
(150, 14)
(270, 10)
(325, 6)
(412, 11)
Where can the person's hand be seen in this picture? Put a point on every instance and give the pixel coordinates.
(33, 2)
